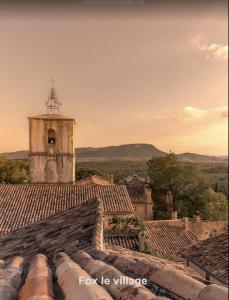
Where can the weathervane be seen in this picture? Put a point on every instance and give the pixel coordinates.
(53, 104)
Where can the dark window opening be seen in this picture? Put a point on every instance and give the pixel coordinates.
(51, 136)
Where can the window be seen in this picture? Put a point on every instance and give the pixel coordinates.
(51, 136)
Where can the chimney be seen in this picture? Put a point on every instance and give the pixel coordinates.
(141, 241)
(197, 217)
(186, 223)
(111, 179)
(174, 215)
(148, 193)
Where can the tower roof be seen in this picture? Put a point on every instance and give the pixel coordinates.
(52, 116)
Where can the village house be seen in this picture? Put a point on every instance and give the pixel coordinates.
(210, 258)
(140, 195)
(205, 229)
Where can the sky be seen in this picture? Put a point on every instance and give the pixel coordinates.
(138, 74)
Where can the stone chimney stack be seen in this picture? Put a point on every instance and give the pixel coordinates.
(186, 223)
(197, 217)
(174, 215)
(141, 241)
(111, 178)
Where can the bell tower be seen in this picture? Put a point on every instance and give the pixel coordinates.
(51, 145)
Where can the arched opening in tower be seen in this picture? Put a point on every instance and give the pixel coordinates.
(51, 136)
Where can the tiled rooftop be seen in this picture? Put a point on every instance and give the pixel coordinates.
(66, 231)
(211, 255)
(23, 204)
(168, 238)
(168, 279)
(95, 179)
(136, 188)
(153, 260)
(52, 264)
(137, 193)
(129, 241)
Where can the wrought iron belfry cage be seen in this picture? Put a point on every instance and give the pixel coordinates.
(53, 104)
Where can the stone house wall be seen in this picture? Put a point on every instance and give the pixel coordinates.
(206, 229)
(143, 211)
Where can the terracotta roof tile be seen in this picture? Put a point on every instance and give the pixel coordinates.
(211, 255)
(153, 260)
(136, 188)
(36, 278)
(68, 231)
(168, 238)
(81, 228)
(164, 278)
(137, 192)
(28, 203)
(95, 179)
(122, 240)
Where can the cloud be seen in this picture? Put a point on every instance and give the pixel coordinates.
(222, 110)
(186, 114)
(210, 51)
(192, 113)
(158, 116)
(217, 51)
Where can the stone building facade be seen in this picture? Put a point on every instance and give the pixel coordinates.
(205, 229)
(140, 195)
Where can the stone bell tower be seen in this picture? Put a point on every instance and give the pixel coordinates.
(51, 145)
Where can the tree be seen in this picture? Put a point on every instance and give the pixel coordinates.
(13, 171)
(189, 189)
(191, 198)
(167, 173)
(86, 172)
(216, 205)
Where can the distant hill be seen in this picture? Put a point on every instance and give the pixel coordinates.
(198, 158)
(126, 152)
(129, 151)
(22, 154)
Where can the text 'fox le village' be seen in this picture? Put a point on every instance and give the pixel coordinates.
(54, 231)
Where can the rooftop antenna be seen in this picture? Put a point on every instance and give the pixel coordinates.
(53, 104)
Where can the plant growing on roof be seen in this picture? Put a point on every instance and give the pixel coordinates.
(125, 224)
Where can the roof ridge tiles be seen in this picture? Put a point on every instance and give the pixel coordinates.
(172, 282)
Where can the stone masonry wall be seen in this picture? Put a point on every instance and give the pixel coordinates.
(206, 229)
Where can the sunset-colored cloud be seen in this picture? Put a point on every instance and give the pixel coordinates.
(187, 114)
(222, 110)
(191, 113)
(217, 51)
(211, 51)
